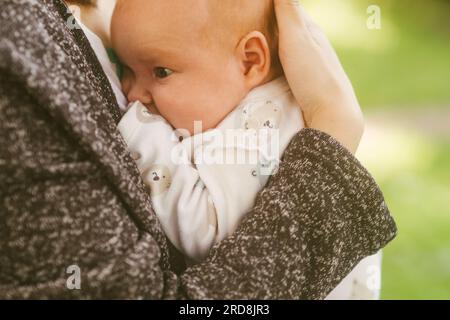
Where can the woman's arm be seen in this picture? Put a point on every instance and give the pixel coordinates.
(316, 219)
(316, 76)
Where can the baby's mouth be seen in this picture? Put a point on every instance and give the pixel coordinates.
(151, 107)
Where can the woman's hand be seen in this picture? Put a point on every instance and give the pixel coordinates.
(316, 77)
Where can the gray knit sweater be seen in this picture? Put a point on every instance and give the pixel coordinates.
(70, 193)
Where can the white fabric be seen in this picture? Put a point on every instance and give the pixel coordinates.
(198, 203)
(108, 67)
(363, 283)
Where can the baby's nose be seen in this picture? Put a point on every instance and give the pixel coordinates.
(140, 94)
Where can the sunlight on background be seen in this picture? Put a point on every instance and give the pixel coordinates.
(413, 170)
(346, 23)
(390, 150)
(401, 74)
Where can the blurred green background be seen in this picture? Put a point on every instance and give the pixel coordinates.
(401, 73)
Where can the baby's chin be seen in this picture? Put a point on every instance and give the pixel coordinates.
(190, 130)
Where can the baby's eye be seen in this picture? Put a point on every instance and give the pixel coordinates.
(162, 73)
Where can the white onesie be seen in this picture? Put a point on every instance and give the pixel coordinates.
(202, 186)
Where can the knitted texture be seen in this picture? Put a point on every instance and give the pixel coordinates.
(71, 194)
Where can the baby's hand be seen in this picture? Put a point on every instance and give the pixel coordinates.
(316, 77)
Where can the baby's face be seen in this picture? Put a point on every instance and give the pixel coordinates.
(171, 65)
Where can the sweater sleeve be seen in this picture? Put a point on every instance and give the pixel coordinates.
(317, 218)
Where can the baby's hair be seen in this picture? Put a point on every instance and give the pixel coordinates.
(230, 20)
(244, 16)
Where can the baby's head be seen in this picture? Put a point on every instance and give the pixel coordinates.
(195, 60)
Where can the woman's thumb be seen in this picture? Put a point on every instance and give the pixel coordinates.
(290, 11)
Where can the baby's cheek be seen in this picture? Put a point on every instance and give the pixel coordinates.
(186, 104)
(163, 100)
(175, 111)
(126, 80)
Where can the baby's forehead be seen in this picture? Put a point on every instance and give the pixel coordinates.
(212, 13)
(156, 16)
(169, 10)
(160, 19)
(194, 21)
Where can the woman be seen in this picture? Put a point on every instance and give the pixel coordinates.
(317, 56)
(85, 205)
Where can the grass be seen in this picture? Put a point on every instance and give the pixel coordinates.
(413, 172)
(405, 76)
(404, 65)
(417, 263)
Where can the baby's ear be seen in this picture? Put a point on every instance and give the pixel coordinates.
(254, 55)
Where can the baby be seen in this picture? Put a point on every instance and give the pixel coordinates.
(195, 60)
(214, 63)
(212, 111)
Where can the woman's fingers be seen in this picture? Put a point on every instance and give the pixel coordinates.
(316, 76)
(294, 33)
(299, 33)
(291, 13)
(292, 17)
(294, 14)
